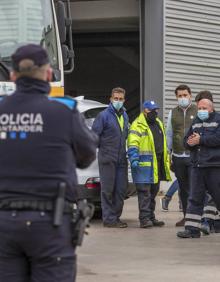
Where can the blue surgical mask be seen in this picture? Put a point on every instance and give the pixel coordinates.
(117, 105)
(183, 102)
(203, 114)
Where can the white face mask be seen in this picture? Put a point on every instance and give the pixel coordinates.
(203, 114)
(183, 102)
(117, 105)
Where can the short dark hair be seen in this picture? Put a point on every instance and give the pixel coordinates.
(183, 87)
(118, 90)
(205, 94)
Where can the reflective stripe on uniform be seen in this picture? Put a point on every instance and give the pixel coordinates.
(192, 216)
(145, 153)
(144, 164)
(138, 133)
(210, 208)
(209, 216)
(192, 223)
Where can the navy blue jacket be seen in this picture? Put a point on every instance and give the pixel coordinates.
(112, 140)
(42, 141)
(207, 153)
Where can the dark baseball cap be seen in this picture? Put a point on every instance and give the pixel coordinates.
(32, 52)
(150, 105)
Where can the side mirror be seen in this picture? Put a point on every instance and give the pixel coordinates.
(61, 20)
(65, 53)
(68, 56)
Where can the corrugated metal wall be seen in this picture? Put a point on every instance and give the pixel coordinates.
(192, 48)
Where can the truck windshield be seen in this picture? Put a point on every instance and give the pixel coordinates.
(27, 21)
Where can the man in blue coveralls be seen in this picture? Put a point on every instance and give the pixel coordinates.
(42, 141)
(111, 125)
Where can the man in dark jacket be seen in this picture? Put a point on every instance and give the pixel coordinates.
(203, 141)
(111, 125)
(42, 141)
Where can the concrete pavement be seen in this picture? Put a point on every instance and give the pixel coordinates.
(154, 255)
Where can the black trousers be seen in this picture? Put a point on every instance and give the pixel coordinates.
(146, 200)
(203, 179)
(182, 169)
(33, 250)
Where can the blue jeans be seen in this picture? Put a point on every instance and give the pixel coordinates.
(172, 189)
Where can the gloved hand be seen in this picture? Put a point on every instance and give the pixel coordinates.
(135, 164)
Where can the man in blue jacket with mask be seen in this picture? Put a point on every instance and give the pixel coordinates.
(111, 125)
(203, 141)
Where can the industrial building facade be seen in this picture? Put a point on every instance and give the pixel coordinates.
(146, 46)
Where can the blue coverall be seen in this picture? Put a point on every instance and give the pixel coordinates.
(112, 162)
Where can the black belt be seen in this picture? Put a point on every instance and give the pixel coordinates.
(29, 205)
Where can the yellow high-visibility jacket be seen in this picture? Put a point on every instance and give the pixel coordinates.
(141, 148)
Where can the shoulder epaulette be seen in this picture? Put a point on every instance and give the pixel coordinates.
(1, 98)
(67, 101)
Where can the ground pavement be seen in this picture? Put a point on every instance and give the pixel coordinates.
(154, 255)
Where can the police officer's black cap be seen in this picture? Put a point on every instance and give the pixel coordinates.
(32, 52)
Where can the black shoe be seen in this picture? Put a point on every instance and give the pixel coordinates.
(180, 223)
(205, 228)
(165, 203)
(157, 223)
(146, 223)
(188, 234)
(215, 226)
(118, 224)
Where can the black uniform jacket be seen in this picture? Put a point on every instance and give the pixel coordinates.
(42, 141)
(207, 153)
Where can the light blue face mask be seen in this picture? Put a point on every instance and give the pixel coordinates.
(183, 102)
(117, 105)
(203, 114)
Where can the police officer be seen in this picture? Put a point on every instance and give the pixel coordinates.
(147, 151)
(42, 141)
(203, 141)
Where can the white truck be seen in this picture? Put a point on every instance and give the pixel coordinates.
(44, 22)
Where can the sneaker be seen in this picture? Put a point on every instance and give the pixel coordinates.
(205, 228)
(146, 223)
(188, 234)
(180, 223)
(123, 224)
(165, 203)
(157, 223)
(118, 224)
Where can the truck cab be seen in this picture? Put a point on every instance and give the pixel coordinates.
(43, 22)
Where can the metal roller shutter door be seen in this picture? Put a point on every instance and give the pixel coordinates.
(192, 48)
